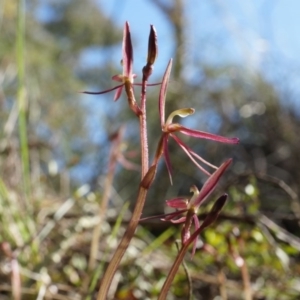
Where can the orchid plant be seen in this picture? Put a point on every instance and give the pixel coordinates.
(169, 129)
(190, 206)
(187, 208)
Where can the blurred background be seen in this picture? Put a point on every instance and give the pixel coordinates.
(236, 62)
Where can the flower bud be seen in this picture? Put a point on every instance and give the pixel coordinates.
(152, 53)
(127, 60)
(152, 46)
(214, 212)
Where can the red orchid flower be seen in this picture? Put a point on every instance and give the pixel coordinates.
(169, 129)
(189, 207)
(127, 78)
(127, 62)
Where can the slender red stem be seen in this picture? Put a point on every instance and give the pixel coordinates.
(123, 245)
(143, 131)
(173, 272)
(139, 205)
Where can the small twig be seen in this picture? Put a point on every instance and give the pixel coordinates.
(294, 197)
(280, 232)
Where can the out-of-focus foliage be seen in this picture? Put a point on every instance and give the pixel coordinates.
(58, 34)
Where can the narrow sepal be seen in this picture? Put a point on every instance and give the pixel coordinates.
(211, 217)
(202, 134)
(191, 154)
(163, 92)
(127, 52)
(179, 202)
(172, 215)
(118, 93)
(211, 184)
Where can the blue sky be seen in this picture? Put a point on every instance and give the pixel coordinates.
(277, 21)
(252, 33)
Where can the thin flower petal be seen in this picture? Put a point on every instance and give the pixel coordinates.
(202, 134)
(118, 93)
(211, 183)
(127, 52)
(214, 212)
(163, 92)
(200, 158)
(170, 216)
(190, 154)
(209, 136)
(103, 92)
(179, 202)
